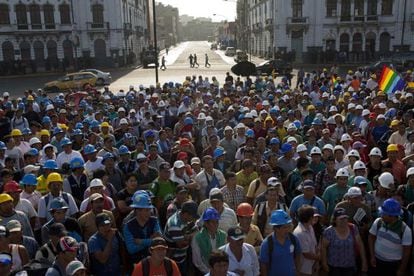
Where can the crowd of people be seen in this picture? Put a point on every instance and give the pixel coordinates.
(248, 177)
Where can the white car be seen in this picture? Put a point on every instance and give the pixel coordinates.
(103, 77)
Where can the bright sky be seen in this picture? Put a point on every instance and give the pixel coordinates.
(224, 9)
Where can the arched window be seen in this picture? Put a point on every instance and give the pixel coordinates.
(64, 11)
(21, 17)
(4, 14)
(97, 16)
(25, 51)
(357, 42)
(48, 13)
(35, 19)
(8, 51)
(344, 43)
(385, 42)
(39, 52)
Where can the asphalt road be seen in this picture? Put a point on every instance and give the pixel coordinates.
(177, 69)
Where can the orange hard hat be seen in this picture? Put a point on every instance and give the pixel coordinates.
(245, 210)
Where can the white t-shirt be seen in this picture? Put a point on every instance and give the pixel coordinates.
(26, 207)
(249, 262)
(90, 167)
(63, 157)
(85, 203)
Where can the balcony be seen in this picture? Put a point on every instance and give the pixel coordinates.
(297, 23)
(269, 24)
(257, 28)
(97, 27)
(35, 28)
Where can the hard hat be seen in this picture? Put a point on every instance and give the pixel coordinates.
(316, 150)
(29, 179)
(300, 148)
(50, 164)
(210, 214)
(34, 140)
(250, 133)
(353, 153)
(89, 149)
(279, 217)
(53, 177)
(76, 163)
(375, 152)
(286, 147)
(410, 172)
(342, 172)
(141, 200)
(218, 152)
(104, 124)
(328, 147)
(390, 207)
(26, 131)
(46, 120)
(2, 145)
(274, 141)
(78, 126)
(57, 130)
(386, 180)
(5, 197)
(16, 132)
(44, 132)
(345, 137)
(123, 150)
(245, 210)
(392, 147)
(77, 132)
(360, 180)
(395, 123)
(339, 147)
(58, 203)
(65, 141)
(359, 165)
(354, 192)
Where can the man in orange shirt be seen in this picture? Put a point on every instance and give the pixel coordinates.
(157, 263)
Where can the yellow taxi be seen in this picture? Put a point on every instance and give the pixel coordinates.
(72, 81)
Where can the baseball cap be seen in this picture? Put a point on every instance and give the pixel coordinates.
(235, 233)
(31, 168)
(96, 182)
(73, 267)
(190, 207)
(57, 229)
(14, 226)
(216, 194)
(67, 243)
(181, 188)
(195, 160)
(95, 196)
(102, 219)
(308, 184)
(273, 181)
(179, 164)
(165, 166)
(158, 242)
(339, 213)
(354, 192)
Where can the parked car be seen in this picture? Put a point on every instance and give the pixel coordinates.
(280, 66)
(223, 47)
(103, 77)
(240, 56)
(149, 57)
(72, 81)
(230, 51)
(213, 46)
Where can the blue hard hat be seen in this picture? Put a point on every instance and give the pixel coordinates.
(29, 179)
(78, 126)
(32, 152)
(57, 130)
(65, 141)
(26, 131)
(128, 136)
(50, 164)
(2, 145)
(123, 150)
(76, 163)
(188, 121)
(218, 152)
(286, 147)
(210, 214)
(58, 203)
(359, 180)
(8, 105)
(89, 149)
(108, 155)
(390, 207)
(21, 106)
(274, 141)
(241, 117)
(149, 133)
(279, 217)
(297, 124)
(77, 132)
(94, 123)
(141, 200)
(317, 121)
(46, 120)
(250, 133)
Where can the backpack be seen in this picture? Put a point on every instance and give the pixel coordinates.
(36, 268)
(400, 232)
(270, 246)
(64, 196)
(167, 266)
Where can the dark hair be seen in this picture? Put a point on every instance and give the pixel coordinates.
(99, 173)
(207, 157)
(305, 213)
(302, 163)
(229, 175)
(218, 256)
(330, 158)
(5, 172)
(129, 175)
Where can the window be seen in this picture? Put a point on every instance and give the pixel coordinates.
(4, 14)
(21, 16)
(359, 8)
(35, 16)
(372, 7)
(297, 8)
(386, 8)
(346, 10)
(49, 16)
(331, 8)
(64, 11)
(97, 16)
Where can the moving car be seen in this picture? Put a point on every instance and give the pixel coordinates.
(230, 51)
(72, 81)
(149, 57)
(240, 56)
(103, 77)
(280, 66)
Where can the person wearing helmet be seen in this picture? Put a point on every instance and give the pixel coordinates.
(316, 164)
(339, 154)
(94, 162)
(399, 136)
(252, 233)
(220, 162)
(208, 238)
(407, 190)
(29, 183)
(55, 185)
(142, 228)
(8, 212)
(67, 154)
(77, 182)
(384, 189)
(126, 164)
(334, 193)
(374, 165)
(390, 240)
(359, 169)
(398, 167)
(280, 240)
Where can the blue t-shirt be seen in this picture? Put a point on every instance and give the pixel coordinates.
(282, 259)
(113, 264)
(300, 200)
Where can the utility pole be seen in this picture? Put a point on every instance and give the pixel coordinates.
(154, 22)
(403, 24)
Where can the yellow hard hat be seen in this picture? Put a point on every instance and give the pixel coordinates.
(5, 198)
(16, 132)
(341, 100)
(105, 124)
(409, 71)
(395, 123)
(392, 147)
(63, 126)
(347, 94)
(311, 107)
(30, 98)
(380, 93)
(44, 132)
(350, 72)
(54, 177)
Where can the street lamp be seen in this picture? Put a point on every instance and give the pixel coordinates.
(154, 22)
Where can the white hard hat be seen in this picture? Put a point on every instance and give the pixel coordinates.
(366, 112)
(339, 147)
(386, 180)
(353, 153)
(345, 137)
(316, 150)
(328, 146)
(342, 172)
(410, 172)
(359, 165)
(375, 152)
(333, 109)
(300, 148)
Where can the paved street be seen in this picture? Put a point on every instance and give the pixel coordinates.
(177, 69)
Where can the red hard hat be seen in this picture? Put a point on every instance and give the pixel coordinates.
(245, 210)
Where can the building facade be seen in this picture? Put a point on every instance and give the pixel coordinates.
(60, 34)
(328, 30)
(167, 25)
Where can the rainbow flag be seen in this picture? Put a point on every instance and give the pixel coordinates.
(334, 81)
(390, 81)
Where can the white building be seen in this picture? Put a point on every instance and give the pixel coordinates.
(49, 33)
(330, 30)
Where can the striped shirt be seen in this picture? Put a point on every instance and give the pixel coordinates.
(388, 244)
